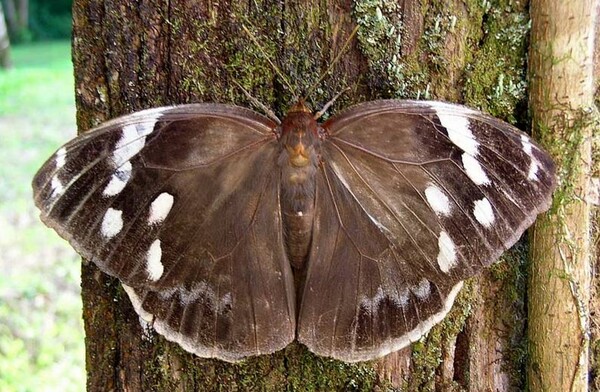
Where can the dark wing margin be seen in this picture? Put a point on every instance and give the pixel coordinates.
(180, 203)
(413, 198)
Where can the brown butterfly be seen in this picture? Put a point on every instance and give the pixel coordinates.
(234, 235)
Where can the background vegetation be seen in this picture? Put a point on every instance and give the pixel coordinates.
(50, 19)
(46, 20)
(41, 332)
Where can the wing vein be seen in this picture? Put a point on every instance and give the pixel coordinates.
(375, 196)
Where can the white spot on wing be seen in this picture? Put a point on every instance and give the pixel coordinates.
(526, 143)
(133, 139)
(160, 207)
(422, 290)
(371, 304)
(201, 291)
(112, 223)
(56, 186)
(447, 255)
(438, 201)
(534, 167)
(459, 132)
(483, 212)
(118, 180)
(154, 266)
(474, 170)
(61, 157)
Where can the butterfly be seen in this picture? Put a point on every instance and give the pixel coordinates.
(234, 235)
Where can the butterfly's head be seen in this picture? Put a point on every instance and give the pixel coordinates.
(299, 107)
(299, 134)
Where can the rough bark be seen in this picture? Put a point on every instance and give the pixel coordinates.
(562, 102)
(134, 55)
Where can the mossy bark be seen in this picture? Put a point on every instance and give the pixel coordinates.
(564, 119)
(134, 55)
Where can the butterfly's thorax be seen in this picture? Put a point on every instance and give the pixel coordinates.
(298, 160)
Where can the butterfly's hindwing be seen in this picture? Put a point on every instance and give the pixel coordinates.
(425, 195)
(179, 207)
(381, 301)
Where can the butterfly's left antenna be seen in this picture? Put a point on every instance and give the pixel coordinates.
(259, 104)
(277, 70)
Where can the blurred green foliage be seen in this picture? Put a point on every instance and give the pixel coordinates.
(47, 20)
(50, 19)
(41, 330)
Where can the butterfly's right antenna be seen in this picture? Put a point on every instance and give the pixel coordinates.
(335, 60)
(328, 104)
(285, 81)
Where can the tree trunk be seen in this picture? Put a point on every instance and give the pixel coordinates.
(4, 42)
(10, 13)
(562, 98)
(23, 14)
(134, 55)
(17, 16)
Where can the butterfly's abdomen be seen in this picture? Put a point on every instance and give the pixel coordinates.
(298, 159)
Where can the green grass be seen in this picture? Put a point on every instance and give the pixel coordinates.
(41, 332)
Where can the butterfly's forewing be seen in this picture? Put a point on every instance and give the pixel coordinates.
(180, 204)
(412, 198)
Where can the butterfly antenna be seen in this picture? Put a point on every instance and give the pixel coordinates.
(285, 81)
(328, 104)
(335, 60)
(259, 104)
